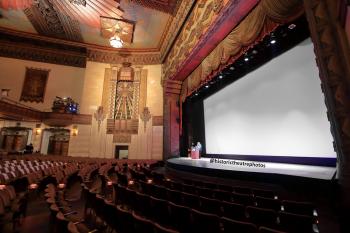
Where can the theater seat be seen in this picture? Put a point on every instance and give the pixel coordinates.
(304, 208)
(296, 223)
(160, 229)
(230, 226)
(268, 203)
(205, 222)
(262, 217)
(141, 224)
(269, 230)
(233, 211)
(181, 217)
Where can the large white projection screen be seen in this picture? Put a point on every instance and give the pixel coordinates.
(276, 110)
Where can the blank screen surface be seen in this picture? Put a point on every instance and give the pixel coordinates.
(276, 110)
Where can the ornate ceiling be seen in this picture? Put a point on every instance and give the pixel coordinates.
(163, 29)
(79, 20)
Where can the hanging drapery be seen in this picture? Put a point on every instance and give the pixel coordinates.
(262, 20)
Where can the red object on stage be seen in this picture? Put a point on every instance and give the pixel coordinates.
(195, 154)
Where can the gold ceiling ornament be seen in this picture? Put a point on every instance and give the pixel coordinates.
(118, 31)
(78, 2)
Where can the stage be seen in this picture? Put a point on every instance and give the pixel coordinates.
(250, 169)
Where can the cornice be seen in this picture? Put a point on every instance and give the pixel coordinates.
(118, 58)
(175, 26)
(209, 23)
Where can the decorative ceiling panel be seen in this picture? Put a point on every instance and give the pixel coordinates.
(48, 21)
(112, 26)
(167, 6)
(15, 4)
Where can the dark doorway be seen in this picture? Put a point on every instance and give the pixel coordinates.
(121, 152)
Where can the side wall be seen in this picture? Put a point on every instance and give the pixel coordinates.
(86, 87)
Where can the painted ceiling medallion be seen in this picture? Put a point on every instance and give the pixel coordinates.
(118, 31)
(78, 2)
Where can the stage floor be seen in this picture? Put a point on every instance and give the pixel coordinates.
(317, 172)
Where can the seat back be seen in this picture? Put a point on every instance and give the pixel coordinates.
(230, 225)
(205, 222)
(269, 230)
(160, 229)
(210, 205)
(262, 217)
(233, 211)
(180, 217)
(141, 224)
(160, 210)
(303, 208)
(268, 203)
(124, 221)
(190, 200)
(296, 223)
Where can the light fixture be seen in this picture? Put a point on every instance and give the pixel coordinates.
(206, 86)
(220, 76)
(246, 59)
(118, 31)
(196, 94)
(5, 92)
(273, 41)
(33, 186)
(292, 26)
(116, 42)
(37, 129)
(131, 182)
(2, 186)
(232, 68)
(75, 130)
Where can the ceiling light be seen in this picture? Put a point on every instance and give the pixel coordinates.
(292, 26)
(220, 76)
(196, 94)
(232, 68)
(273, 41)
(206, 86)
(246, 59)
(116, 42)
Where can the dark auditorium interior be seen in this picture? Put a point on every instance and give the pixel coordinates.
(174, 116)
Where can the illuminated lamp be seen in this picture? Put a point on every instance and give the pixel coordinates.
(2, 186)
(75, 130)
(116, 42)
(38, 129)
(33, 186)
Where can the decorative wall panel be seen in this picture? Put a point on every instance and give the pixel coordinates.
(34, 85)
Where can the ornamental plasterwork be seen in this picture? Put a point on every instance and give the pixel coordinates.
(203, 15)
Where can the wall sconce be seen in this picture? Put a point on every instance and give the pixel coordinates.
(2, 186)
(37, 129)
(75, 130)
(5, 92)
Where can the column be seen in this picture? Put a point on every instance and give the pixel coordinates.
(333, 60)
(171, 141)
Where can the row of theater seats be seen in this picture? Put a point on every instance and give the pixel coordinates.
(142, 199)
(135, 199)
(34, 171)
